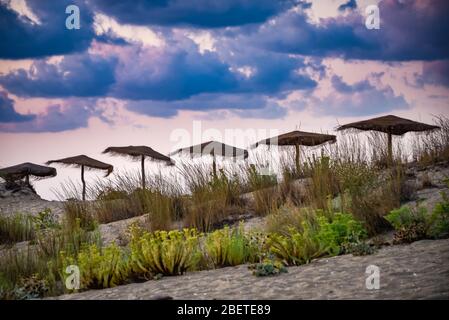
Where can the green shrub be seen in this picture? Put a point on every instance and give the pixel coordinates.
(413, 224)
(230, 247)
(439, 220)
(268, 268)
(410, 224)
(405, 217)
(166, 253)
(358, 248)
(342, 229)
(45, 220)
(317, 235)
(99, 267)
(32, 287)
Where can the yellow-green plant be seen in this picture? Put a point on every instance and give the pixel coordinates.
(100, 267)
(166, 253)
(297, 248)
(230, 247)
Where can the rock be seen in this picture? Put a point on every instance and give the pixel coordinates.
(117, 231)
(17, 189)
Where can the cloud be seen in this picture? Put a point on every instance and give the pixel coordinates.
(350, 5)
(70, 115)
(79, 75)
(340, 86)
(8, 113)
(362, 98)
(194, 13)
(170, 73)
(268, 72)
(434, 73)
(270, 110)
(244, 105)
(409, 30)
(22, 38)
(176, 71)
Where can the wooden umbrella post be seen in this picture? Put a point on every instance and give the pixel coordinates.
(297, 159)
(214, 166)
(143, 172)
(84, 183)
(390, 149)
(27, 179)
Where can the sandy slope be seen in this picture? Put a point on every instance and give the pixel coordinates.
(416, 271)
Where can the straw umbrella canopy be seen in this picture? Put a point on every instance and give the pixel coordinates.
(139, 152)
(391, 125)
(213, 148)
(83, 162)
(298, 138)
(25, 170)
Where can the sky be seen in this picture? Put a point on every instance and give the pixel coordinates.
(171, 73)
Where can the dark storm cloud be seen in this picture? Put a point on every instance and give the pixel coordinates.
(195, 13)
(21, 38)
(409, 30)
(79, 75)
(268, 52)
(166, 74)
(171, 74)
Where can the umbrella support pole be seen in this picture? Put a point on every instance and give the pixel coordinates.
(27, 180)
(143, 172)
(214, 167)
(297, 159)
(390, 149)
(84, 183)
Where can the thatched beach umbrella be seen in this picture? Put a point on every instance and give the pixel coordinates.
(84, 162)
(213, 148)
(139, 152)
(25, 170)
(298, 138)
(391, 125)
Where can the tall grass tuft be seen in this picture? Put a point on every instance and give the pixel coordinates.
(16, 228)
(433, 147)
